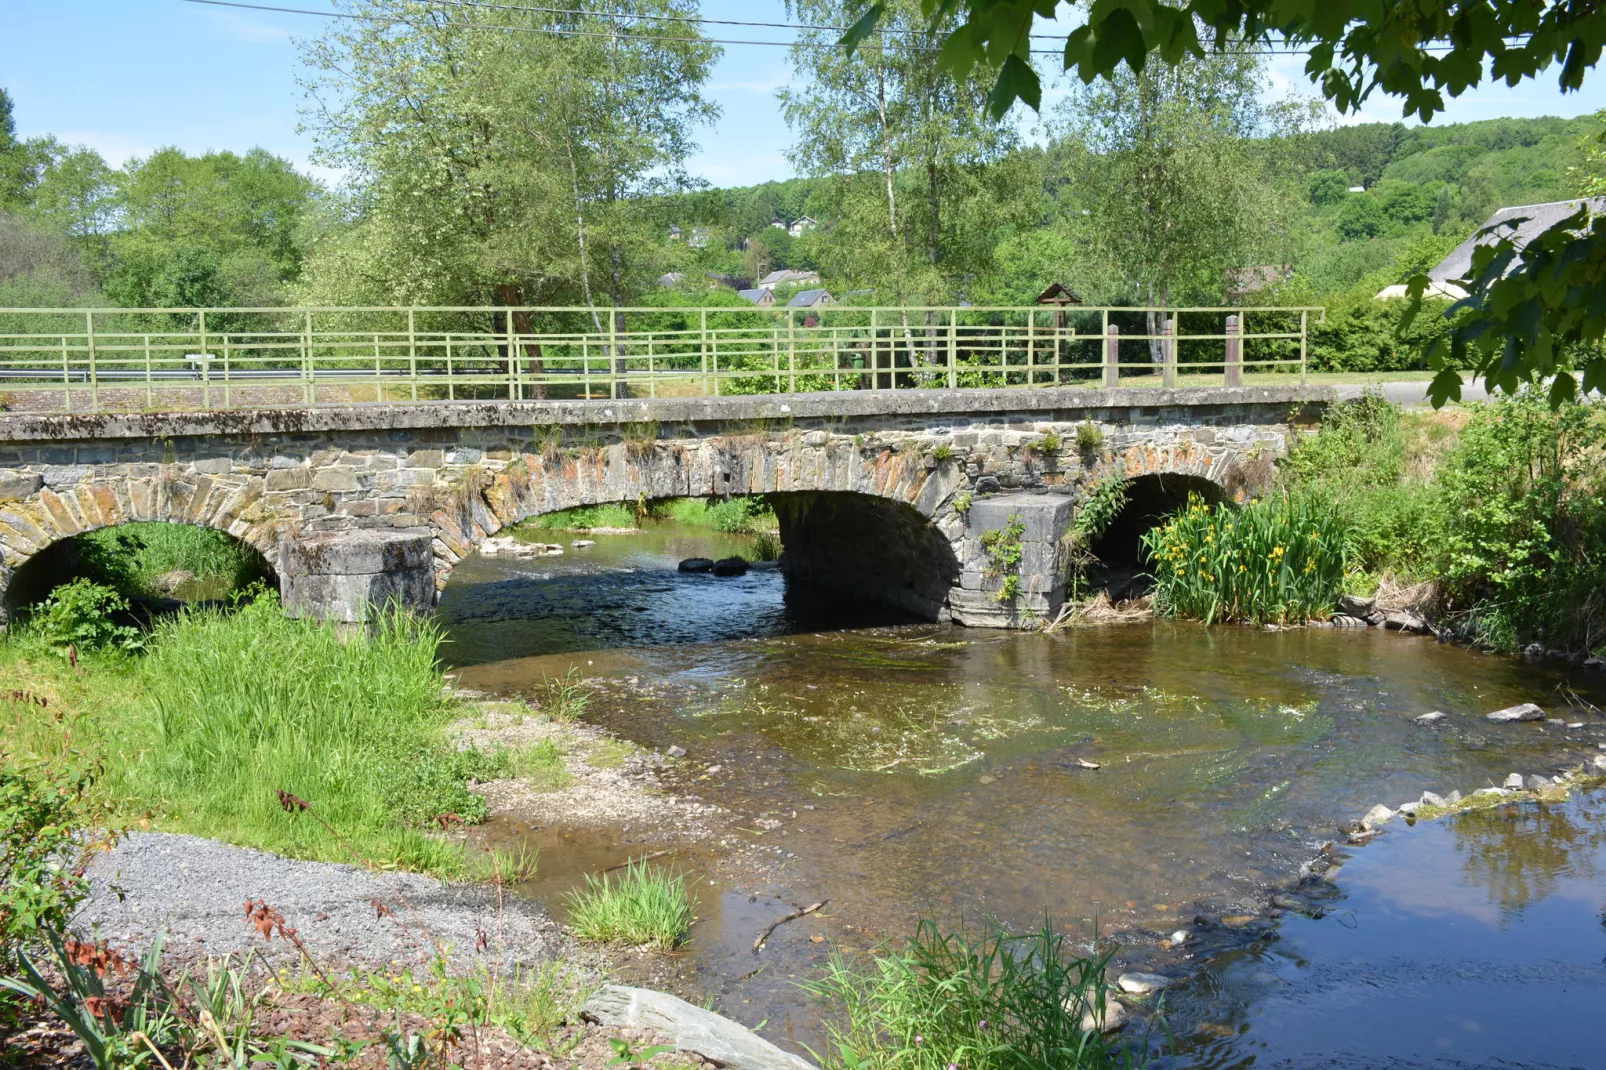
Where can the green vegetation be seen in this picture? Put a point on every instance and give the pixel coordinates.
(642, 906)
(260, 729)
(46, 821)
(144, 560)
(992, 1000)
(738, 514)
(586, 518)
(1003, 546)
(77, 619)
(1278, 559)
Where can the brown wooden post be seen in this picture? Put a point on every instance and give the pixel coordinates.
(1235, 353)
(1168, 352)
(1112, 355)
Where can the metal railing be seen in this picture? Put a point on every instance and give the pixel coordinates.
(101, 360)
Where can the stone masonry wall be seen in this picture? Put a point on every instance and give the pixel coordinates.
(463, 472)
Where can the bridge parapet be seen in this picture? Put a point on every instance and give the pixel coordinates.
(460, 473)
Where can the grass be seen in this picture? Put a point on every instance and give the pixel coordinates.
(740, 514)
(541, 764)
(586, 518)
(564, 698)
(1277, 559)
(992, 999)
(641, 906)
(225, 711)
(154, 559)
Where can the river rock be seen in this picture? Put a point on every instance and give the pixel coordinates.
(697, 564)
(1525, 711)
(1405, 620)
(730, 566)
(1436, 717)
(1377, 815)
(1493, 791)
(1599, 762)
(1409, 809)
(1536, 783)
(676, 751)
(1141, 984)
(714, 1037)
(1431, 799)
(581, 544)
(1180, 937)
(1513, 780)
(1452, 798)
(1595, 663)
(1114, 1017)
(1355, 606)
(1344, 620)
(1534, 650)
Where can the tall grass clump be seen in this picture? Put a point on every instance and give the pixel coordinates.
(993, 1000)
(243, 706)
(587, 518)
(740, 514)
(151, 559)
(642, 906)
(1278, 559)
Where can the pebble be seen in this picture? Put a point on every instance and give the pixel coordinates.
(1377, 815)
(1430, 718)
(1514, 780)
(1409, 809)
(1452, 798)
(1492, 791)
(1115, 1016)
(715, 769)
(676, 751)
(1536, 783)
(1180, 936)
(1141, 984)
(1431, 799)
(1526, 711)
(1599, 762)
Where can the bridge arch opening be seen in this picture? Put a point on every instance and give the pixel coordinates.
(158, 566)
(1150, 500)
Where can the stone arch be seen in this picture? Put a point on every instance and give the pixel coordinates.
(1150, 498)
(49, 515)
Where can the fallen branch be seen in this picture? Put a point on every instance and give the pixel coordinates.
(805, 912)
(633, 861)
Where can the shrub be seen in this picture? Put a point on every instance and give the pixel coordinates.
(1277, 559)
(1360, 334)
(78, 615)
(43, 813)
(133, 558)
(642, 906)
(994, 1000)
(1088, 436)
(587, 517)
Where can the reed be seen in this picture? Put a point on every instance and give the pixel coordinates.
(1279, 559)
(642, 906)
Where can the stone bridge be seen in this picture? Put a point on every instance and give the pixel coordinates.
(885, 496)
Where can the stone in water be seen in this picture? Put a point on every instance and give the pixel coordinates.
(1141, 984)
(1429, 718)
(1526, 711)
(1377, 815)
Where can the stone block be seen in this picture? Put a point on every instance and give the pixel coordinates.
(289, 478)
(214, 466)
(14, 486)
(354, 553)
(1045, 516)
(335, 480)
(349, 599)
(426, 459)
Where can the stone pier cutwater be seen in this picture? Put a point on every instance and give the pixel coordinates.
(881, 495)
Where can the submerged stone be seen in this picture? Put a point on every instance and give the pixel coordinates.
(1433, 718)
(1141, 984)
(697, 564)
(1525, 711)
(730, 566)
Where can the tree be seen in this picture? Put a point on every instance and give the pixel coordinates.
(1177, 193)
(1361, 218)
(916, 163)
(1328, 186)
(1532, 313)
(1589, 176)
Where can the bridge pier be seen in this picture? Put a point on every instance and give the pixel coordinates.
(1013, 536)
(342, 576)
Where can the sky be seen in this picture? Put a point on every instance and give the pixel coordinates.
(127, 77)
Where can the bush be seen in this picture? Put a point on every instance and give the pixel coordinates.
(134, 558)
(43, 814)
(1278, 559)
(996, 1000)
(740, 514)
(78, 616)
(1361, 334)
(642, 906)
(587, 517)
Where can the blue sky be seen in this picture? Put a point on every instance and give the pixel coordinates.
(129, 76)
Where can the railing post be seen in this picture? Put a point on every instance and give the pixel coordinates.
(953, 349)
(66, 376)
(512, 359)
(206, 372)
(875, 350)
(150, 397)
(616, 362)
(791, 350)
(1304, 337)
(309, 390)
(412, 353)
(94, 373)
(1235, 352)
(1112, 352)
(1168, 352)
(702, 345)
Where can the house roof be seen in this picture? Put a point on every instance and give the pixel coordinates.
(1536, 219)
(757, 295)
(1058, 294)
(671, 278)
(809, 298)
(777, 277)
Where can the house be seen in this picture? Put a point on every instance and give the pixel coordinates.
(730, 282)
(788, 277)
(699, 238)
(672, 279)
(1241, 282)
(761, 298)
(1057, 294)
(779, 222)
(674, 232)
(810, 299)
(801, 224)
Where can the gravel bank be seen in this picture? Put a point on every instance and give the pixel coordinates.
(195, 889)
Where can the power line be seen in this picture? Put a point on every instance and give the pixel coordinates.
(565, 32)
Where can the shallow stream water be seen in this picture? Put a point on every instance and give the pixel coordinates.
(904, 770)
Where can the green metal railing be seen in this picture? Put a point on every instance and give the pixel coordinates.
(100, 360)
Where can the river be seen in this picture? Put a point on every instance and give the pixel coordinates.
(901, 770)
